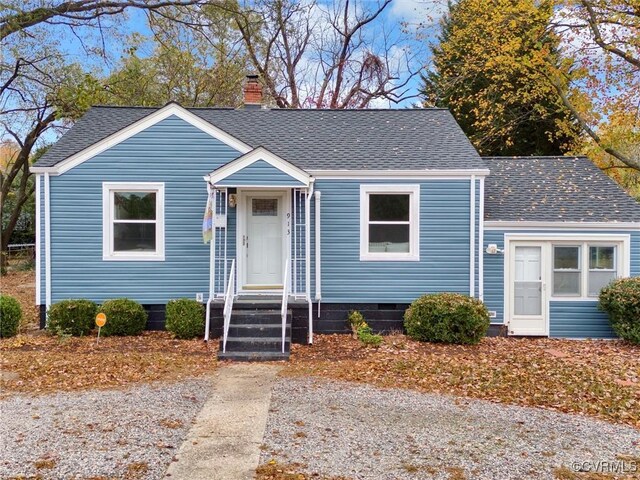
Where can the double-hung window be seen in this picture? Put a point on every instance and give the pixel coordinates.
(133, 223)
(390, 222)
(582, 270)
(567, 271)
(602, 267)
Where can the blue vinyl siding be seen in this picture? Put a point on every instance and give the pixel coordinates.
(444, 245)
(172, 152)
(494, 276)
(635, 254)
(260, 173)
(577, 319)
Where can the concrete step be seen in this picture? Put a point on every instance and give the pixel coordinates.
(252, 317)
(253, 356)
(258, 330)
(256, 344)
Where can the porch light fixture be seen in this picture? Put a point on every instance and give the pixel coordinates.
(492, 249)
(232, 200)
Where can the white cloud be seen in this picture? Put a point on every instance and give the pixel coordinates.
(418, 11)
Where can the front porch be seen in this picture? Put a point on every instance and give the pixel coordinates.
(260, 253)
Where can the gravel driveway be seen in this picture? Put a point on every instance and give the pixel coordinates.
(131, 433)
(362, 432)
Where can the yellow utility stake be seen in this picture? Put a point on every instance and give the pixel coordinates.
(101, 319)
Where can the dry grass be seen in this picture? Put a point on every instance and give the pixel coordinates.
(22, 286)
(39, 364)
(35, 362)
(597, 378)
(274, 471)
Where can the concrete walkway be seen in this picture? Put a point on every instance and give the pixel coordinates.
(225, 441)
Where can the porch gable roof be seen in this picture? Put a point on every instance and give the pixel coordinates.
(259, 168)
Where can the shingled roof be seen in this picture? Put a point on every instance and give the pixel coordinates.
(408, 139)
(554, 189)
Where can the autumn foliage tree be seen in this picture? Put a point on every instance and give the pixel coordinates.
(487, 71)
(601, 47)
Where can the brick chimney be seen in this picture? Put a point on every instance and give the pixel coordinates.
(252, 92)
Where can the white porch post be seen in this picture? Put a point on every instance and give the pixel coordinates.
(212, 262)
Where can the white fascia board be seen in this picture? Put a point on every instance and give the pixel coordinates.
(139, 126)
(253, 156)
(397, 174)
(38, 240)
(534, 225)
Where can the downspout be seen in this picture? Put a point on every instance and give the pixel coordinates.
(472, 238)
(307, 254)
(38, 240)
(481, 243)
(318, 194)
(212, 264)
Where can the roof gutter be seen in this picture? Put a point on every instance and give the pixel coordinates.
(463, 173)
(559, 225)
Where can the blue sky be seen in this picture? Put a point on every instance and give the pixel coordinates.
(407, 14)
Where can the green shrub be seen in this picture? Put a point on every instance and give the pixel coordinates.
(10, 316)
(361, 330)
(72, 317)
(124, 317)
(621, 300)
(447, 318)
(355, 321)
(366, 336)
(185, 318)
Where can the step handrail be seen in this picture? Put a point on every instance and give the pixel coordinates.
(228, 304)
(285, 300)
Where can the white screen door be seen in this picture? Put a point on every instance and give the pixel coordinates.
(527, 292)
(263, 242)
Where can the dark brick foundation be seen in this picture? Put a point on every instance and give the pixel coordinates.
(382, 317)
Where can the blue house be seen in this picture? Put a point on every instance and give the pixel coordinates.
(317, 212)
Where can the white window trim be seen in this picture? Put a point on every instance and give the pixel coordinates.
(414, 223)
(107, 221)
(616, 262)
(579, 270)
(621, 252)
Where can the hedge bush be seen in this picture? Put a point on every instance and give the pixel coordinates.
(10, 316)
(72, 317)
(621, 300)
(447, 318)
(124, 317)
(185, 318)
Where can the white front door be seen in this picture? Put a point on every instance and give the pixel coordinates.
(527, 290)
(263, 241)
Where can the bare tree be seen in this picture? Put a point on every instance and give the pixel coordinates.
(21, 15)
(312, 55)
